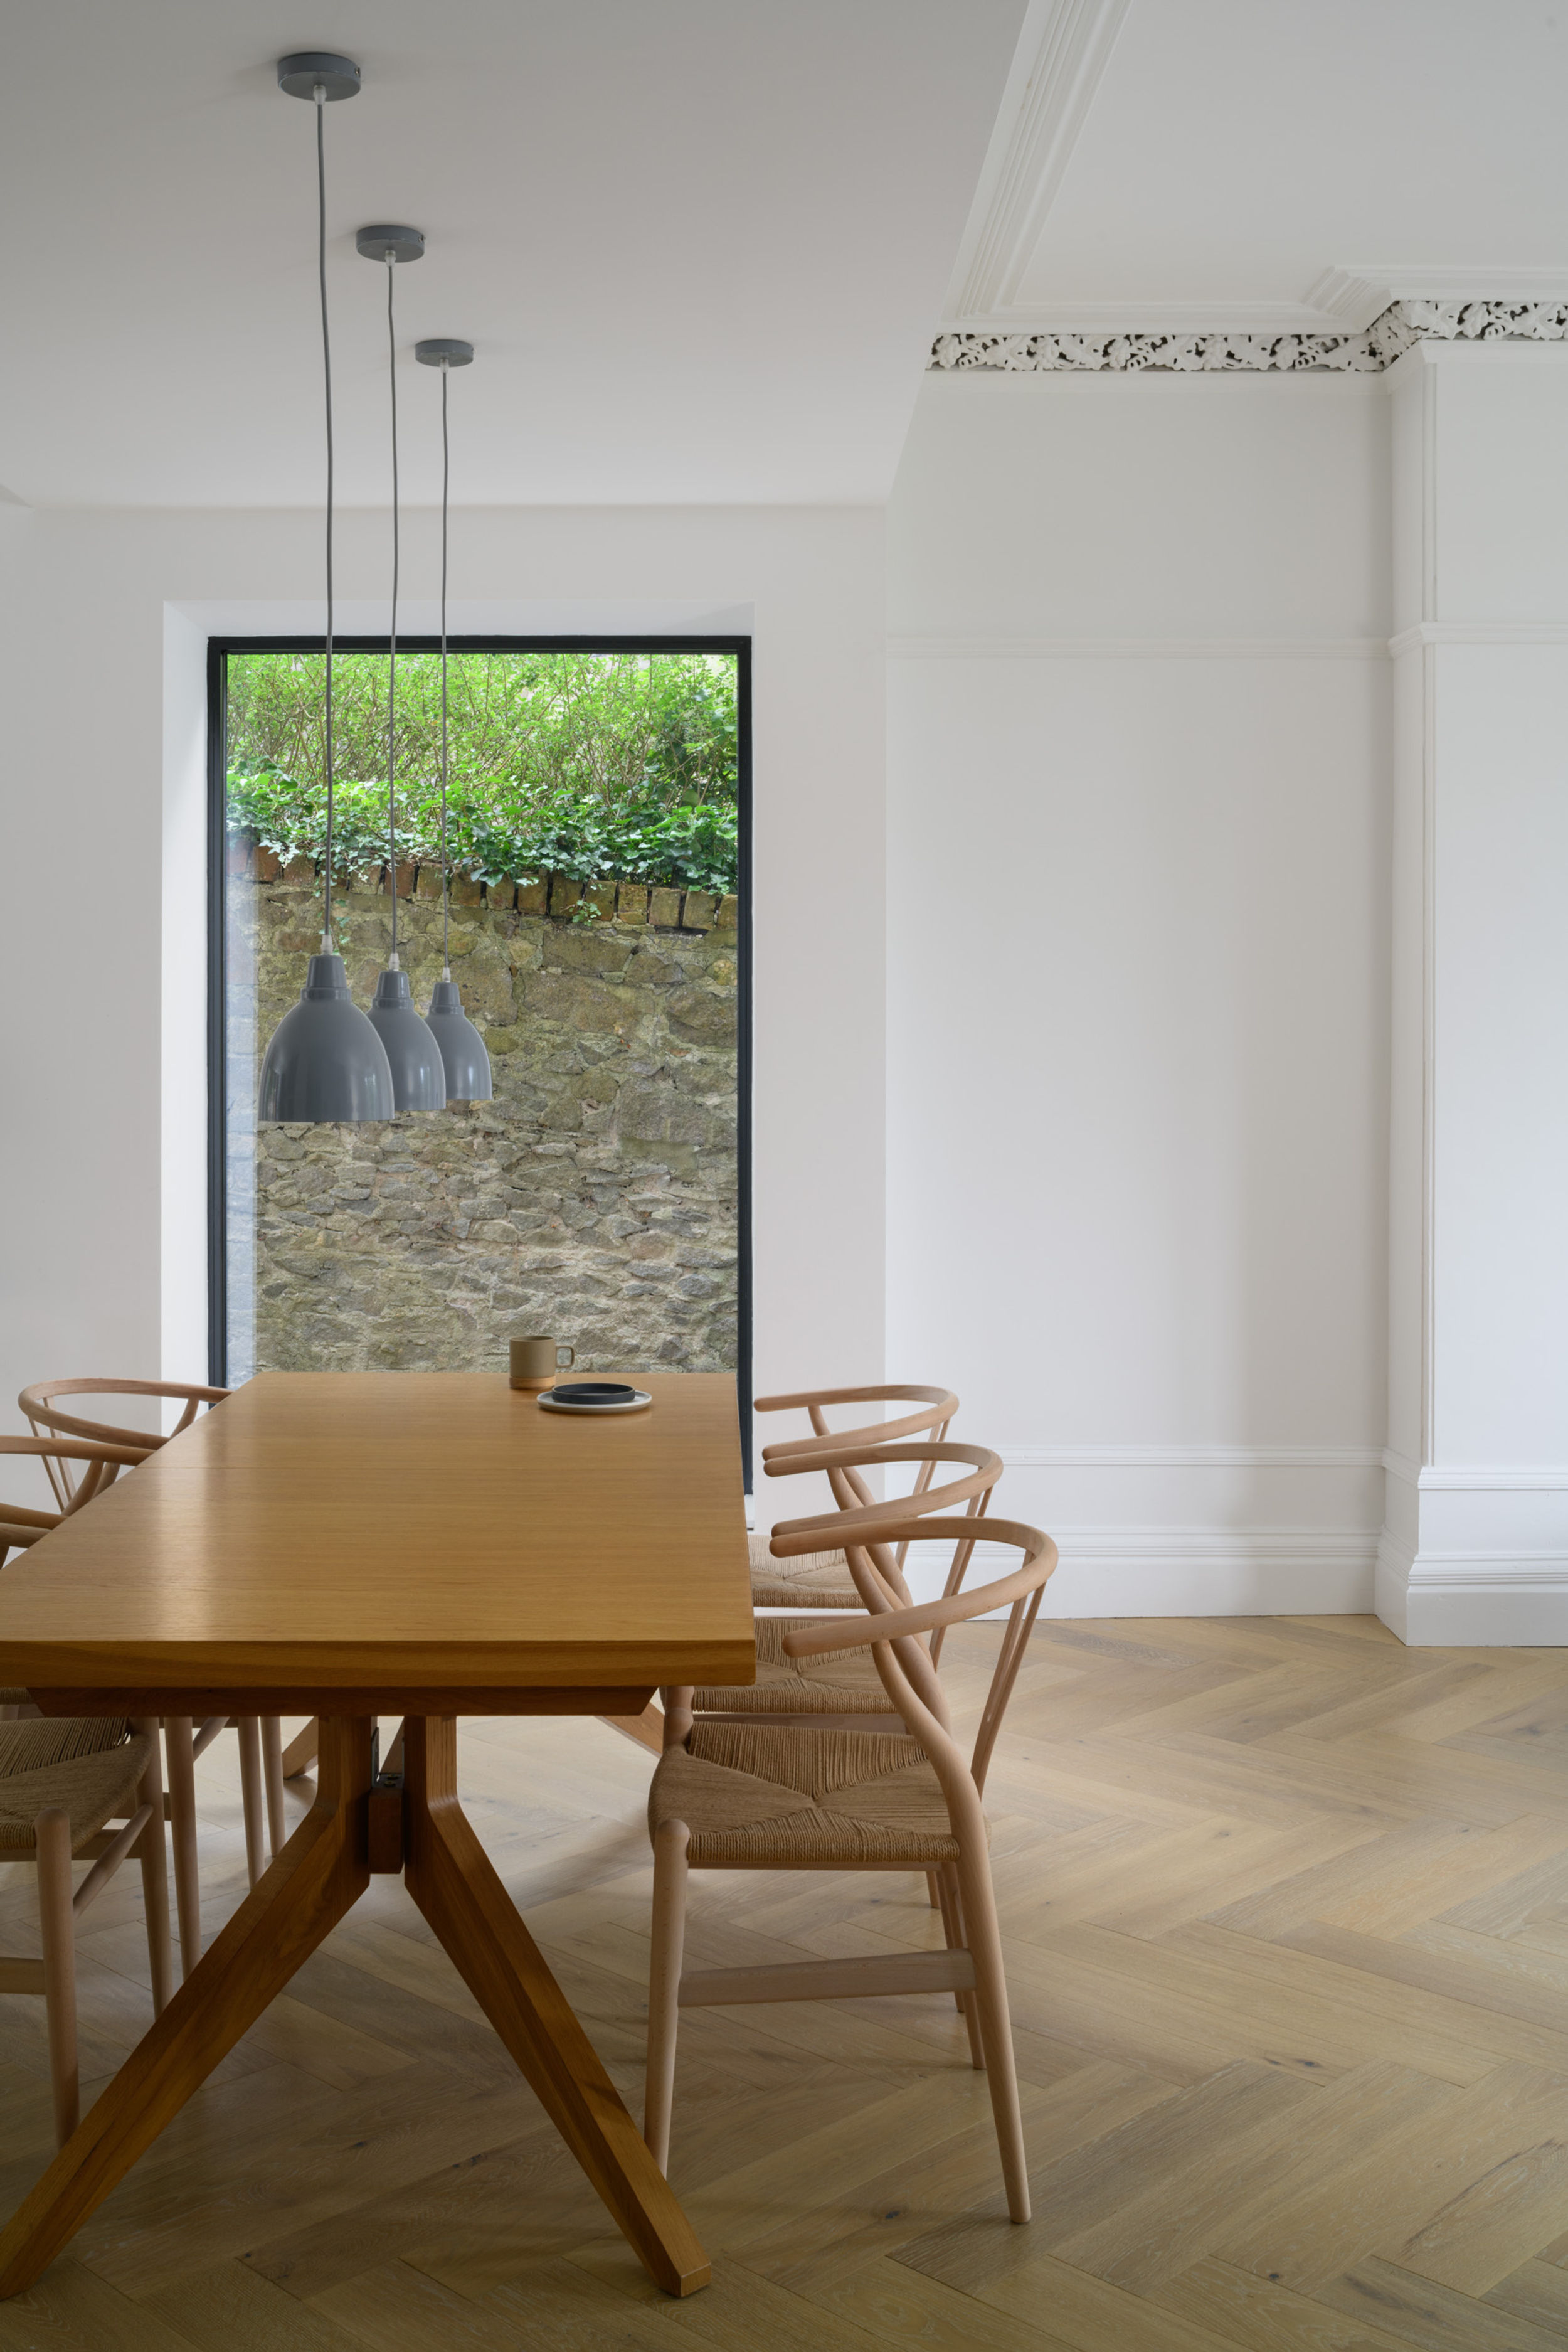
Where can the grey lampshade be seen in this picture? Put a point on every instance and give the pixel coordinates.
(325, 1062)
(419, 1081)
(466, 1063)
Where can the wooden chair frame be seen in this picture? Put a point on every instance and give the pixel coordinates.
(141, 1834)
(860, 1512)
(971, 1965)
(936, 1408)
(37, 1406)
(933, 1419)
(868, 1519)
(260, 1737)
(20, 1525)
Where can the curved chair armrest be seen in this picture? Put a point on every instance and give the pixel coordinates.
(78, 1449)
(36, 1404)
(820, 1637)
(940, 1405)
(794, 1536)
(856, 1452)
(877, 1394)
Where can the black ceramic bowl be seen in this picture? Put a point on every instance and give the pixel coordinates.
(591, 1393)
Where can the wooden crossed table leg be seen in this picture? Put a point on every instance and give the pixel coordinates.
(315, 1881)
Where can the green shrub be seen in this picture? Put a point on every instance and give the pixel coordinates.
(592, 765)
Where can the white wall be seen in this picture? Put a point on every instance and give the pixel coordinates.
(102, 618)
(1137, 968)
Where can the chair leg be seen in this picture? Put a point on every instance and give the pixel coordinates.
(946, 1885)
(249, 1730)
(272, 1767)
(676, 1702)
(991, 1999)
(178, 1734)
(52, 1831)
(664, 1985)
(153, 1855)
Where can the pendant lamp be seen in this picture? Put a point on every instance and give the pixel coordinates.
(463, 1053)
(325, 1063)
(419, 1081)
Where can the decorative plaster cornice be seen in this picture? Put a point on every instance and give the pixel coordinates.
(1403, 324)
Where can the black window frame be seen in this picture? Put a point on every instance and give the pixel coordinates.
(218, 650)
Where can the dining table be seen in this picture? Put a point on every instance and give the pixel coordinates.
(360, 1546)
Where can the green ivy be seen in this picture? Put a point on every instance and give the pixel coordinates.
(598, 767)
(685, 848)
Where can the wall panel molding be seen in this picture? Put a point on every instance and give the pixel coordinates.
(986, 647)
(1465, 1478)
(1478, 633)
(1194, 1457)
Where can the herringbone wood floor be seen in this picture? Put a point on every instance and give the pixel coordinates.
(1286, 1917)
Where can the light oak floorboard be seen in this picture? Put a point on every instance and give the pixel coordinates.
(1285, 1909)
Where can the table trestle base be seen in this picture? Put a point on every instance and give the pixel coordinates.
(313, 1883)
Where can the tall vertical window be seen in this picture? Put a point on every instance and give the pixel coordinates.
(595, 851)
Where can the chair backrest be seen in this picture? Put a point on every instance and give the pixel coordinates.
(900, 1653)
(934, 1409)
(19, 1525)
(883, 1525)
(933, 1416)
(40, 1410)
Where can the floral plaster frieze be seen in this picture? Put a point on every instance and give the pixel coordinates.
(1400, 326)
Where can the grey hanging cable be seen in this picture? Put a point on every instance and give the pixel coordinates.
(445, 877)
(391, 640)
(324, 1063)
(465, 1065)
(320, 94)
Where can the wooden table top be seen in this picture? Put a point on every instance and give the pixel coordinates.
(384, 1532)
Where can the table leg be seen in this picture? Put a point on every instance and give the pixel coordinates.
(300, 1753)
(453, 1882)
(319, 1875)
(645, 1730)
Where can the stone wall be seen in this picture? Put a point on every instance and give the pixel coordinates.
(595, 1197)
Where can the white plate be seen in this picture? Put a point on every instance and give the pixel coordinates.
(634, 1403)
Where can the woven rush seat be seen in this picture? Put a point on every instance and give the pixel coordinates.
(822, 1578)
(86, 1765)
(765, 1795)
(844, 1683)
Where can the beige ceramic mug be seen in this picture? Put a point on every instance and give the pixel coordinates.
(535, 1362)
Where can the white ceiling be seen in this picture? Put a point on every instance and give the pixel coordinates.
(1250, 163)
(700, 245)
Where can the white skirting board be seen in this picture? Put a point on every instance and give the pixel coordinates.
(1475, 1555)
(1490, 1568)
(1473, 1599)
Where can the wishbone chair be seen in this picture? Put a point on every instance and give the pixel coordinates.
(846, 1690)
(260, 1737)
(65, 1782)
(20, 1525)
(44, 1771)
(822, 1579)
(765, 1796)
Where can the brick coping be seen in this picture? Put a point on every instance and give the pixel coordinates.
(553, 896)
